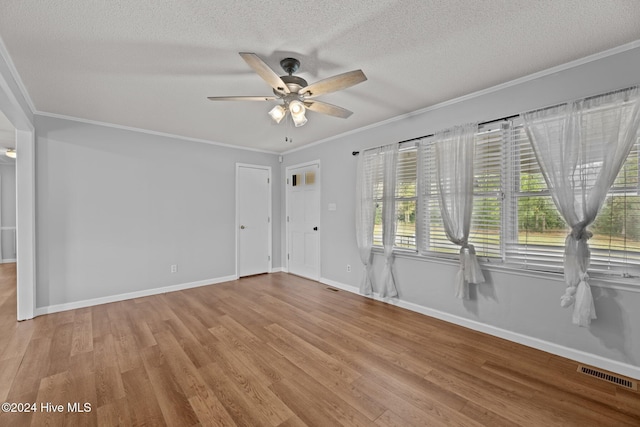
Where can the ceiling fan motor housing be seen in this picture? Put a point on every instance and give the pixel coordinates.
(290, 65)
(294, 83)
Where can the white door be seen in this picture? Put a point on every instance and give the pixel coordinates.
(303, 220)
(253, 221)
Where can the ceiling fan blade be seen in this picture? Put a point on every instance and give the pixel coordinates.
(242, 98)
(333, 84)
(326, 108)
(264, 71)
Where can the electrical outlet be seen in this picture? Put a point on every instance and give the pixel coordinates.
(348, 268)
(174, 268)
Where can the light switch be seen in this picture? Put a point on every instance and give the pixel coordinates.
(332, 206)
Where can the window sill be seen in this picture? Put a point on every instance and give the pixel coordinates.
(630, 284)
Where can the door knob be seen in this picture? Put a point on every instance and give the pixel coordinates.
(242, 227)
(315, 228)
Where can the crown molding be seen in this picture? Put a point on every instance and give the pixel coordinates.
(150, 132)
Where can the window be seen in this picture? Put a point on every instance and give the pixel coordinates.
(486, 228)
(488, 195)
(406, 199)
(514, 218)
(537, 231)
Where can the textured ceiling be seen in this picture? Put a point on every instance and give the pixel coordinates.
(150, 64)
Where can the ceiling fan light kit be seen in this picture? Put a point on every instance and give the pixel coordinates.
(294, 92)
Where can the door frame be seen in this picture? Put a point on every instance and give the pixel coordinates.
(21, 117)
(237, 215)
(287, 210)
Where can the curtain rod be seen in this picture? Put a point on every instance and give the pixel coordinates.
(589, 98)
(355, 153)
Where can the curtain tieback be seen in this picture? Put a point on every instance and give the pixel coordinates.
(388, 260)
(580, 232)
(465, 247)
(469, 271)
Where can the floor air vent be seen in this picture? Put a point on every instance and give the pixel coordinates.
(619, 381)
(333, 289)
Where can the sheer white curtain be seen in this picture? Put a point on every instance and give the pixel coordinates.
(581, 147)
(369, 168)
(389, 155)
(454, 153)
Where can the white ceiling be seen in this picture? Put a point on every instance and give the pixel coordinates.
(150, 64)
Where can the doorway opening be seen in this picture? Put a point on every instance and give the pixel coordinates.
(13, 107)
(8, 282)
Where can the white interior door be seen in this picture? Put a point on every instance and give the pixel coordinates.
(303, 220)
(253, 221)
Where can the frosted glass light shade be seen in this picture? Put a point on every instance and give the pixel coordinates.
(297, 113)
(299, 120)
(10, 153)
(296, 108)
(277, 113)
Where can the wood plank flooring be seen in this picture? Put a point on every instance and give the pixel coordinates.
(279, 350)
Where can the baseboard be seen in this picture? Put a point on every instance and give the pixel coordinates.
(278, 270)
(7, 261)
(129, 295)
(549, 347)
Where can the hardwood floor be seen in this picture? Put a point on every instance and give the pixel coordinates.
(278, 350)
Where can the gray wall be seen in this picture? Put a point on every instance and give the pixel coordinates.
(115, 208)
(523, 304)
(7, 237)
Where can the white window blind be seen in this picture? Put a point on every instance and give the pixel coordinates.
(406, 198)
(486, 225)
(378, 191)
(535, 230)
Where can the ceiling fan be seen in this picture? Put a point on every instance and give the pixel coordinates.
(296, 94)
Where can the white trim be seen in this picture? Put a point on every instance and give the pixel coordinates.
(277, 270)
(501, 86)
(18, 117)
(26, 224)
(8, 260)
(287, 197)
(549, 347)
(4, 53)
(269, 209)
(150, 132)
(130, 295)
